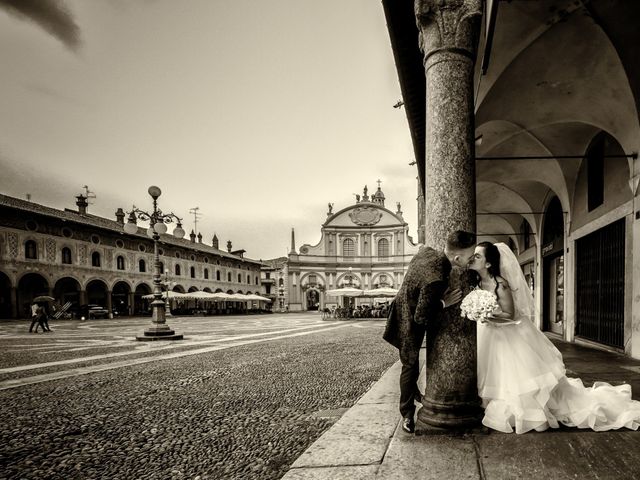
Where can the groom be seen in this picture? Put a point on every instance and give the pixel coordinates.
(422, 297)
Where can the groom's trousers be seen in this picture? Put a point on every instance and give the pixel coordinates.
(410, 372)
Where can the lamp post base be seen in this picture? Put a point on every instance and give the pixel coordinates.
(159, 333)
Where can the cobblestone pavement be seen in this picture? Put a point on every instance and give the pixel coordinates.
(240, 398)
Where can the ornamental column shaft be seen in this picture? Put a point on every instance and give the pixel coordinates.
(449, 31)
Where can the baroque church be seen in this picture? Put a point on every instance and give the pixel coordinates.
(364, 245)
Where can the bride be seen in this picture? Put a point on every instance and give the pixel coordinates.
(521, 375)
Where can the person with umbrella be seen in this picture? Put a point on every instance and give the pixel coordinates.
(39, 315)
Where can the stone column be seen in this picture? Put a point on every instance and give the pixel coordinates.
(14, 302)
(449, 31)
(634, 273)
(132, 299)
(110, 302)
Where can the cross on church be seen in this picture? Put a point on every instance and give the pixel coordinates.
(379, 182)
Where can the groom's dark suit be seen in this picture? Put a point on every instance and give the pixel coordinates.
(415, 309)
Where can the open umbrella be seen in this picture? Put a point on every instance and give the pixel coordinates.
(381, 292)
(44, 298)
(176, 295)
(345, 292)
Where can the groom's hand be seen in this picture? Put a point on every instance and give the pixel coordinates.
(451, 297)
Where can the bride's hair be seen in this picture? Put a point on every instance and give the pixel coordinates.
(492, 256)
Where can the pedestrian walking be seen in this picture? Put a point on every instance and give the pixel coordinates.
(37, 318)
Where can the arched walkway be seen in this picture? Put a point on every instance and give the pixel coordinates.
(6, 302)
(120, 298)
(97, 293)
(30, 286)
(67, 289)
(140, 305)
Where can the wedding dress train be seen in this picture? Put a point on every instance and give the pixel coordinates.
(522, 380)
(523, 386)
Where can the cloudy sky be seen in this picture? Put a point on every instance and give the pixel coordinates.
(258, 112)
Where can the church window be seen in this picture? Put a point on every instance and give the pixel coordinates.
(120, 262)
(383, 247)
(95, 259)
(177, 270)
(206, 274)
(348, 248)
(142, 266)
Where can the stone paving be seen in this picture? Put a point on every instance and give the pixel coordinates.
(240, 397)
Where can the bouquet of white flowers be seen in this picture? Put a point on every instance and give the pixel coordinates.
(478, 305)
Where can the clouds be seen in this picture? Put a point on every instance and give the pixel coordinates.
(51, 15)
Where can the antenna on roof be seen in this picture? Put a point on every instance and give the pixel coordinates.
(196, 217)
(89, 194)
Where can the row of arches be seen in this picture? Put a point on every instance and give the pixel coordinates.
(121, 298)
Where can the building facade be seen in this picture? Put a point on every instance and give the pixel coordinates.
(364, 245)
(84, 259)
(557, 136)
(274, 282)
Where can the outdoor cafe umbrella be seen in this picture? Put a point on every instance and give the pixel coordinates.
(381, 292)
(253, 296)
(345, 292)
(170, 294)
(202, 295)
(43, 298)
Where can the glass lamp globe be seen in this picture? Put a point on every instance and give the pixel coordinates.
(178, 232)
(130, 228)
(160, 227)
(154, 191)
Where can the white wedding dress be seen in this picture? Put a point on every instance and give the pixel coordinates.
(522, 380)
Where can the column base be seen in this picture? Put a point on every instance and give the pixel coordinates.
(159, 333)
(448, 416)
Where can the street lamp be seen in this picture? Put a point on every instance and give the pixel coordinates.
(157, 226)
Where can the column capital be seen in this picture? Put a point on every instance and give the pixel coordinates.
(448, 26)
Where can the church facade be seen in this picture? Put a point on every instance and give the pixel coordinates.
(364, 245)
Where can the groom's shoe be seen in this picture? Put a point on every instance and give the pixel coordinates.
(408, 425)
